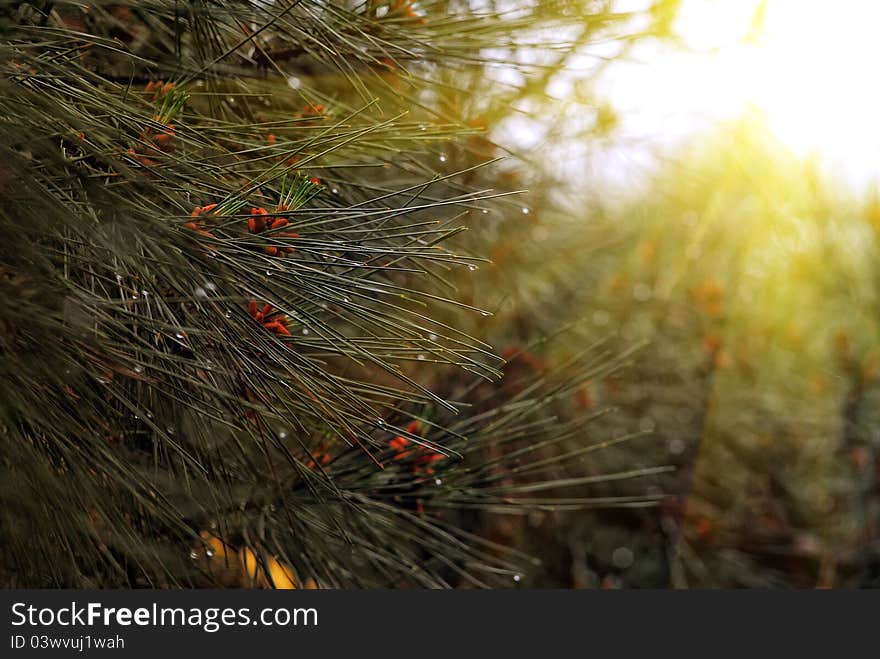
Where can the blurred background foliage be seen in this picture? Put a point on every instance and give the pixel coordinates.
(736, 268)
(749, 279)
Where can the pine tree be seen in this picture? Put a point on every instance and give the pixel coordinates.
(235, 349)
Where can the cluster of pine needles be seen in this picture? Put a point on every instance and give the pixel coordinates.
(227, 260)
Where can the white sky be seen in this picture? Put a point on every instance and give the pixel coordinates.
(811, 71)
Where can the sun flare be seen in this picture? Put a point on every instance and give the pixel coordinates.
(808, 67)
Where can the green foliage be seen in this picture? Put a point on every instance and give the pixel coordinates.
(750, 276)
(231, 335)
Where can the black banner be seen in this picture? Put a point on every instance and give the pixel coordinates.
(409, 623)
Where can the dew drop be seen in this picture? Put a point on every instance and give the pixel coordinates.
(335, 191)
(622, 557)
(525, 211)
(438, 481)
(268, 273)
(138, 369)
(485, 211)
(305, 331)
(228, 314)
(432, 337)
(178, 335)
(516, 578)
(201, 292)
(209, 552)
(169, 430)
(282, 434)
(472, 267)
(442, 157)
(194, 554)
(145, 293)
(294, 83)
(421, 357)
(485, 313)
(211, 286)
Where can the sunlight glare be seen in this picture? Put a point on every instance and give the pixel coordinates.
(807, 68)
(808, 65)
